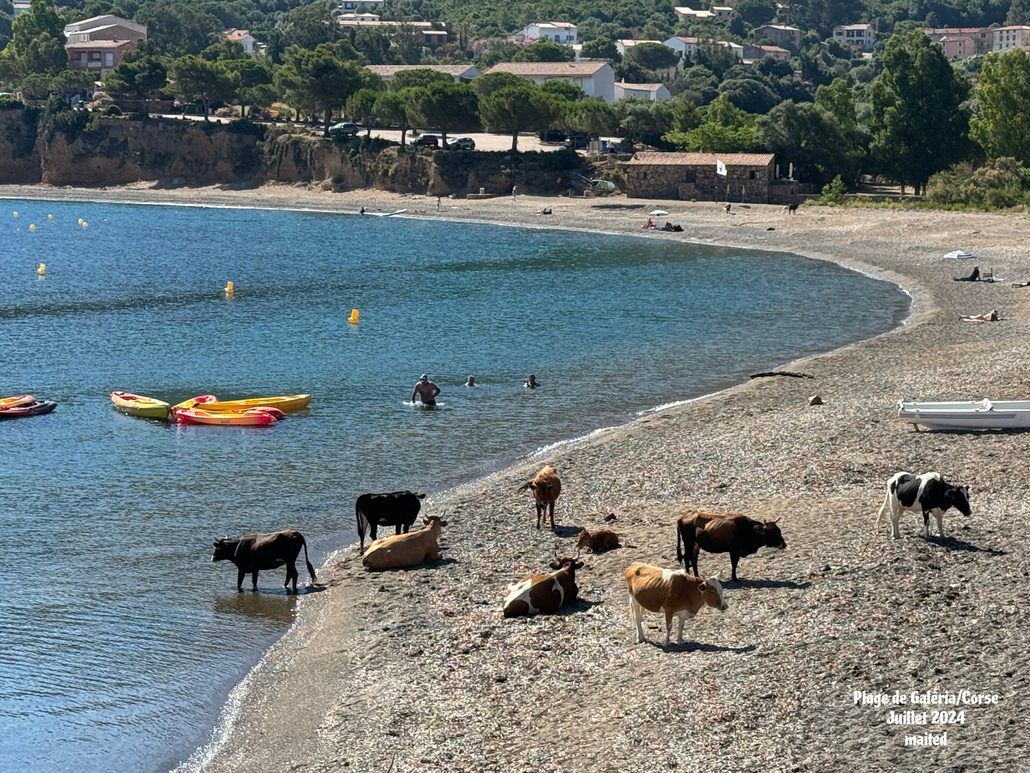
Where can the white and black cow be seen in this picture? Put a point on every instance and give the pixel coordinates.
(927, 493)
(397, 508)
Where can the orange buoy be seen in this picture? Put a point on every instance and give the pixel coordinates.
(353, 318)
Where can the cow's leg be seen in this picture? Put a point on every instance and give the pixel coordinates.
(636, 614)
(253, 578)
(883, 509)
(895, 517)
(291, 574)
(926, 524)
(239, 579)
(940, 523)
(551, 513)
(373, 530)
(679, 632)
(693, 558)
(539, 514)
(398, 529)
(734, 558)
(668, 626)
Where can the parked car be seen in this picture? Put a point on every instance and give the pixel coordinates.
(577, 142)
(461, 143)
(552, 135)
(428, 141)
(348, 128)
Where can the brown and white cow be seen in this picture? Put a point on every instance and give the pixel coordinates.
(405, 550)
(546, 488)
(674, 592)
(543, 594)
(599, 541)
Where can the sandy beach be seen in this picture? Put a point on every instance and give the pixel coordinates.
(418, 671)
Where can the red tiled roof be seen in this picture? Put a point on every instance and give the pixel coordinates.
(701, 159)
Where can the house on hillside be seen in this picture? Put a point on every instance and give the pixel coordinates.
(684, 13)
(20, 6)
(622, 45)
(982, 37)
(860, 36)
(688, 176)
(99, 43)
(433, 38)
(1007, 38)
(686, 47)
(757, 53)
(722, 12)
(780, 34)
(243, 37)
(650, 91)
(957, 47)
(596, 78)
(355, 6)
(556, 31)
(462, 73)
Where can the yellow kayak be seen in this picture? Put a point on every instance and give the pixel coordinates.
(213, 404)
(137, 405)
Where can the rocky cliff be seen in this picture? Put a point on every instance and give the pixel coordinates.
(83, 149)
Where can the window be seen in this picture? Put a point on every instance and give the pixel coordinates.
(108, 60)
(751, 175)
(82, 58)
(641, 175)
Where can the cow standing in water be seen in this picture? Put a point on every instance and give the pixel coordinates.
(253, 552)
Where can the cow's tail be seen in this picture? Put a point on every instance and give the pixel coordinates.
(679, 542)
(883, 507)
(362, 522)
(524, 486)
(311, 569)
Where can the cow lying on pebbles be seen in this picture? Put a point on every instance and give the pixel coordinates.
(406, 550)
(543, 594)
(599, 541)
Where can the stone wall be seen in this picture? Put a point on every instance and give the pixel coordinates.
(698, 182)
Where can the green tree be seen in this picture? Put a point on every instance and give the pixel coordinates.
(419, 77)
(1003, 126)
(514, 109)
(393, 108)
(318, 80)
(198, 80)
(361, 107)
(724, 128)
(137, 77)
(652, 56)
(812, 140)
(69, 83)
(494, 81)
(177, 29)
(641, 120)
(255, 82)
(601, 48)
(918, 121)
(446, 107)
(563, 90)
(544, 51)
(37, 41)
(756, 12)
(593, 117)
(838, 100)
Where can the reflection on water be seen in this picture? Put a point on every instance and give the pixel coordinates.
(119, 638)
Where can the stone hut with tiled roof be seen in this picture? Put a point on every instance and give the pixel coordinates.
(749, 177)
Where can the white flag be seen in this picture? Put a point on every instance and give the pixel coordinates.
(720, 168)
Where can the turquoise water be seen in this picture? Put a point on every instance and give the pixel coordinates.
(119, 638)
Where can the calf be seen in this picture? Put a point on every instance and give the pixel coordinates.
(406, 550)
(598, 541)
(544, 594)
(546, 488)
(671, 591)
(926, 493)
(398, 508)
(253, 552)
(731, 533)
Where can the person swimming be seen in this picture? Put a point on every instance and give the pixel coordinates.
(531, 382)
(426, 390)
(471, 382)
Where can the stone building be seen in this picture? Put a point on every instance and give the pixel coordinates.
(686, 176)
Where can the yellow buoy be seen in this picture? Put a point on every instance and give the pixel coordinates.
(85, 224)
(49, 217)
(42, 269)
(353, 318)
(229, 288)
(16, 214)
(80, 221)
(32, 227)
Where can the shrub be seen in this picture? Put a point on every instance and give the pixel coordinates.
(10, 102)
(833, 192)
(1001, 184)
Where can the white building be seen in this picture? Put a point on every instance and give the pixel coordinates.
(1007, 38)
(735, 48)
(686, 47)
(597, 79)
(106, 27)
(243, 37)
(651, 91)
(20, 7)
(556, 31)
(686, 14)
(622, 45)
(352, 6)
(860, 36)
(722, 12)
(462, 73)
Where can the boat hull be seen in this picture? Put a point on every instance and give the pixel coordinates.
(210, 403)
(251, 418)
(969, 414)
(137, 405)
(32, 409)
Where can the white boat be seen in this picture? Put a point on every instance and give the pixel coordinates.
(967, 414)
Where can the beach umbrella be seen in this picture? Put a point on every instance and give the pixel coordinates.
(959, 255)
(659, 212)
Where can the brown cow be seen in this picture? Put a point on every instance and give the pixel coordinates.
(671, 591)
(544, 593)
(598, 541)
(253, 552)
(546, 488)
(731, 533)
(405, 550)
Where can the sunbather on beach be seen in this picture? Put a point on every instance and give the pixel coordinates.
(990, 316)
(974, 277)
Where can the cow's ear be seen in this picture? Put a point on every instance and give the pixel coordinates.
(577, 564)
(555, 565)
(702, 587)
(443, 523)
(772, 523)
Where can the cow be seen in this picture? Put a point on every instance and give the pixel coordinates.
(253, 552)
(927, 493)
(792, 208)
(672, 591)
(397, 508)
(546, 488)
(406, 550)
(544, 594)
(598, 541)
(731, 533)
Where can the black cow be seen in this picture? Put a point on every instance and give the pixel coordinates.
(792, 208)
(926, 493)
(731, 533)
(398, 508)
(253, 552)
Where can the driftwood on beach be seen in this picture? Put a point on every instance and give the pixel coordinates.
(791, 374)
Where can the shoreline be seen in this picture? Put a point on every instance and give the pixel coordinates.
(352, 654)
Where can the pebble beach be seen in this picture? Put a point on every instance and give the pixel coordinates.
(417, 671)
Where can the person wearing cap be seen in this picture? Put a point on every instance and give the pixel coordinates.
(531, 382)
(426, 390)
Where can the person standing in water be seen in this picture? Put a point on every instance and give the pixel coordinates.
(471, 382)
(426, 390)
(531, 382)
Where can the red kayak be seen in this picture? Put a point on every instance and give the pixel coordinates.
(14, 402)
(31, 409)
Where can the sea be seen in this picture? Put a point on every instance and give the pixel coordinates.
(120, 639)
